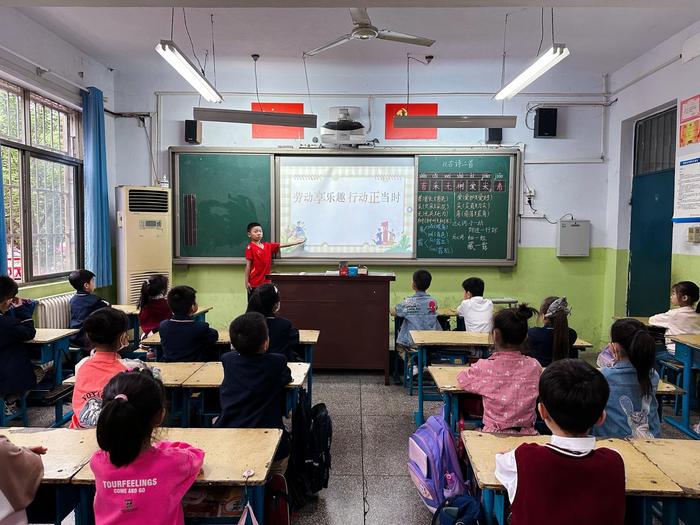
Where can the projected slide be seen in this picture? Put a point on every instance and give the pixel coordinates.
(347, 207)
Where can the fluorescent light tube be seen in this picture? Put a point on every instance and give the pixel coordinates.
(544, 63)
(270, 118)
(455, 121)
(176, 58)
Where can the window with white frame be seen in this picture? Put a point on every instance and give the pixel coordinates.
(42, 184)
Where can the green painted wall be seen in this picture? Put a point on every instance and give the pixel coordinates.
(685, 268)
(595, 286)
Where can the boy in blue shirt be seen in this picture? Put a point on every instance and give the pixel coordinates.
(252, 392)
(17, 374)
(418, 312)
(82, 304)
(183, 339)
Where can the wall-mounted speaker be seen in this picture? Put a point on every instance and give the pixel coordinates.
(545, 123)
(494, 135)
(193, 131)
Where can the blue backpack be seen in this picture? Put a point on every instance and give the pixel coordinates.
(433, 463)
(460, 510)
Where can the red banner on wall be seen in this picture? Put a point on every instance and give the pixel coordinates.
(261, 131)
(397, 110)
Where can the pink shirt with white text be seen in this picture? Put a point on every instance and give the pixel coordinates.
(148, 490)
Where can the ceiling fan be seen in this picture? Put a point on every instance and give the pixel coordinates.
(362, 29)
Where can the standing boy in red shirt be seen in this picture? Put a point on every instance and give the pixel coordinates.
(258, 256)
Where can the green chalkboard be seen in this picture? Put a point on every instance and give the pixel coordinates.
(465, 206)
(218, 195)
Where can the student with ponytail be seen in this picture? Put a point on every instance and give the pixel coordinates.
(555, 340)
(507, 381)
(153, 304)
(284, 338)
(137, 481)
(632, 409)
(685, 319)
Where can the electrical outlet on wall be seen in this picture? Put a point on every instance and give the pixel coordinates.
(694, 234)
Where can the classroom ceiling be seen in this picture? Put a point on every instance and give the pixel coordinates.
(344, 3)
(602, 39)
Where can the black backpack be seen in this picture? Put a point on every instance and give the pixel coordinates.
(310, 455)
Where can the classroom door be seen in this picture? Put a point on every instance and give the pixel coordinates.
(651, 234)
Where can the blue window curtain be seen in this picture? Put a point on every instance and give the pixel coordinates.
(3, 236)
(98, 246)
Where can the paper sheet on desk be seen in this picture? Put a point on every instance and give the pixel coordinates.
(332, 272)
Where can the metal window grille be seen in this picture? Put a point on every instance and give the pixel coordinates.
(655, 143)
(42, 181)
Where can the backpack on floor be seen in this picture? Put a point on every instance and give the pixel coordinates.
(310, 456)
(433, 463)
(277, 501)
(319, 468)
(460, 510)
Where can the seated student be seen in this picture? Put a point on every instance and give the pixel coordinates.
(476, 311)
(17, 373)
(153, 304)
(82, 304)
(555, 340)
(21, 470)
(107, 330)
(162, 472)
(183, 338)
(419, 311)
(567, 480)
(252, 393)
(284, 338)
(682, 320)
(632, 409)
(507, 380)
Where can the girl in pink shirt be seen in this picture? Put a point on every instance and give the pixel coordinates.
(107, 330)
(137, 481)
(508, 380)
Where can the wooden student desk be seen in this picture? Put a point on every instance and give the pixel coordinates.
(53, 344)
(67, 451)
(307, 338)
(445, 378)
(688, 353)
(173, 375)
(425, 340)
(643, 477)
(211, 375)
(229, 452)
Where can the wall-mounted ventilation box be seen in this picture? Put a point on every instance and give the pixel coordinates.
(574, 238)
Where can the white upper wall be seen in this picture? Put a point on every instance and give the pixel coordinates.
(25, 44)
(654, 81)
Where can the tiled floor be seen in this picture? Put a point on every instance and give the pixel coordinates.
(369, 479)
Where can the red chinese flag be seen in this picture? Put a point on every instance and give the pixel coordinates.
(397, 110)
(261, 131)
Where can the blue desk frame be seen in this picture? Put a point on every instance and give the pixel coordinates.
(55, 350)
(686, 354)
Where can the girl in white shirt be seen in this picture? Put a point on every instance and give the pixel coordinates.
(682, 320)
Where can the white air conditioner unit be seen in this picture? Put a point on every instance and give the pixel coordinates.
(344, 128)
(144, 238)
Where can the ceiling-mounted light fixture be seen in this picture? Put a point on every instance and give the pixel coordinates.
(455, 121)
(544, 63)
(176, 58)
(270, 118)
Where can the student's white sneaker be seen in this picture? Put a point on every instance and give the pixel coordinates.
(415, 370)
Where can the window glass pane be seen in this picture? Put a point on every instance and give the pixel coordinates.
(655, 143)
(11, 120)
(50, 123)
(53, 217)
(11, 171)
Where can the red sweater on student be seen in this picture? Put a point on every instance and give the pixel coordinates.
(557, 486)
(155, 312)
